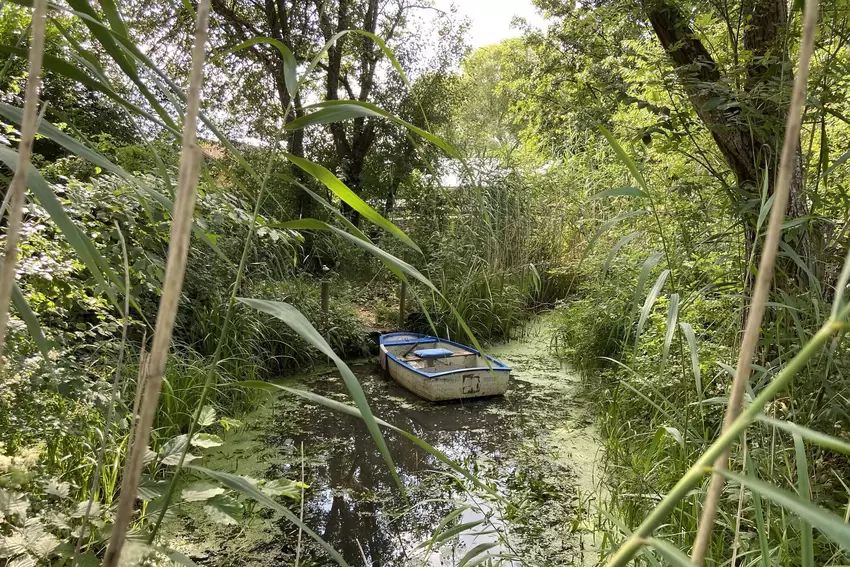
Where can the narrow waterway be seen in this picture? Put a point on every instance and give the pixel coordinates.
(536, 446)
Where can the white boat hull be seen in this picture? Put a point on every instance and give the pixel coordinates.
(464, 373)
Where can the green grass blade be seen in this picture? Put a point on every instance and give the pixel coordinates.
(828, 523)
(241, 485)
(618, 192)
(789, 252)
(624, 157)
(456, 530)
(62, 67)
(816, 437)
(616, 249)
(650, 262)
(290, 65)
(339, 110)
(475, 552)
(761, 528)
(688, 331)
(31, 320)
(107, 40)
(113, 16)
(807, 545)
(672, 555)
(650, 303)
(604, 227)
(298, 323)
(672, 317)
(353, 200)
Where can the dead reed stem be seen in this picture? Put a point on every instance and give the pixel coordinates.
(178, 249)
(764, 278)
(18, 187)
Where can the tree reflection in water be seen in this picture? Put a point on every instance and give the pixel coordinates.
(353, 502)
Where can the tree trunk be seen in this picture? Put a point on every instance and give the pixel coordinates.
(750, 149)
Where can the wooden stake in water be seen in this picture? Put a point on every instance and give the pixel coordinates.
(402, 310)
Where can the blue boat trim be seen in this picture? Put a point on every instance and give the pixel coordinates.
(421, 339)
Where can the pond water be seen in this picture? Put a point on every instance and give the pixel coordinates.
(535, 446)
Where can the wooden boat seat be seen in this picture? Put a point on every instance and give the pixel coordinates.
(414, 357)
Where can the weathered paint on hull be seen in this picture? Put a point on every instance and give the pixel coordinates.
(474, 383)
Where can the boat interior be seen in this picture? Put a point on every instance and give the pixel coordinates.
(431, 355)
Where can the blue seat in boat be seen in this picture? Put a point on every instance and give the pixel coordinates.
(433, 353)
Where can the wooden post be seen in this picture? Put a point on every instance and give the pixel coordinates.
(326, 293)
(401, 307)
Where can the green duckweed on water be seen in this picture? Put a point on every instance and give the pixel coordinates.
(535, 446)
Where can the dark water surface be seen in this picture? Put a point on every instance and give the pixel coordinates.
(533, 445)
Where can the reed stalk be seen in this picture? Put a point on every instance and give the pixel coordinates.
(18, 187)
(178, 249)
(763, 280)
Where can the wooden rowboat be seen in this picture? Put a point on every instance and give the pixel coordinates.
(439, 369)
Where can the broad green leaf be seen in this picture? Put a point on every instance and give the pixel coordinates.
(151, 489)
(816, 437)
(807, 545)
(171, 451)
(650, 303)
(340, 110)
(688, 331)
(616, 249)
(224, 509)
(298, 323)
(31, 319)
(13, 503)
(243, 486)
(671, 554)
(828, 523)
(618, 192)
(606, 226)
(200, 491)
(290, 65)
(353, 200)
(206, 440)
(475, 552)
(282, 487)
(672, 317)
(207, 416)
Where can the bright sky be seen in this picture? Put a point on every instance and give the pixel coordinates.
(491, 19)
